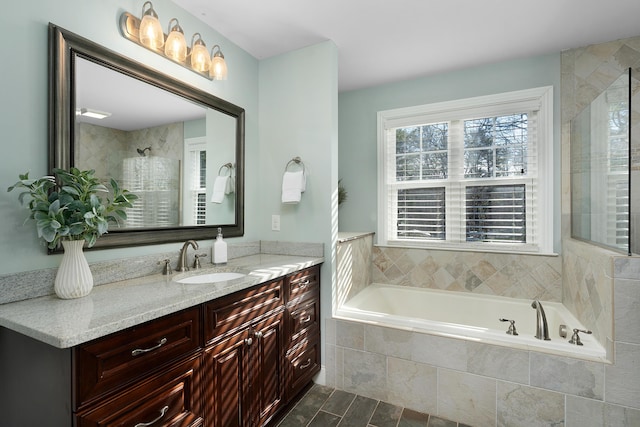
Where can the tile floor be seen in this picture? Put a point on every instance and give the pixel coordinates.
(327, 407)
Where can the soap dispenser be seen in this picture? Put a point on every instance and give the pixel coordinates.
(219, 250)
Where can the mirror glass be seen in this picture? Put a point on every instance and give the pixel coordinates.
(603, 209)
(181, 150)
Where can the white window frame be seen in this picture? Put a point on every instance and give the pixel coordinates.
(536, 99)
(189, 192)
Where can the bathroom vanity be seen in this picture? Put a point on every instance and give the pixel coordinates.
(154, 352)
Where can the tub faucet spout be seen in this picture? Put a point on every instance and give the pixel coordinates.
(542, 328)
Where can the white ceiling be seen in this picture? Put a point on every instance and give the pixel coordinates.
(102, 89)
(382, 41)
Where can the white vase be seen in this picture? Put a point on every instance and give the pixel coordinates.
(74, 278)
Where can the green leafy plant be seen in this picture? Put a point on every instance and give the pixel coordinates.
(342, 193)
(67, 206)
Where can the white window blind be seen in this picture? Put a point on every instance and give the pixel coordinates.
(194, 185)
(473, 180)
(199, 186)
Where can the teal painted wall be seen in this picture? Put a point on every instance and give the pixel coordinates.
(357, 130)
(298, 117)
(23, 110)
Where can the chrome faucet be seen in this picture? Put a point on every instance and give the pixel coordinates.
(542, 328)
(182, 259)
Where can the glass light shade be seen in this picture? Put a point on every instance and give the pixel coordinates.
(151, 34)
(176, 45)
(218, 69)
(200, 60)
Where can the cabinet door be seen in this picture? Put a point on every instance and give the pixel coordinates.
(267, 368)
(227, 381)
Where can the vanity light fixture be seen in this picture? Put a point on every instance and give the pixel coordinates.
(200, 59)
(218, 68)
(176, 45)
(144, 32)
(151, 34)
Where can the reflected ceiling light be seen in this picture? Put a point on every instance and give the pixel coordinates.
(89, 112)
(151, 34)
(200, 60)
(176, 45)
(144, 32)
(218, 67)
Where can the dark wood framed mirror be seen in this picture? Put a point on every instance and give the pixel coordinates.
(176, 209)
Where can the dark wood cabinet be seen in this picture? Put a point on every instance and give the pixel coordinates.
(227, 380)
(106, 365)
(236, 361)
(171, 398)
(302, 355)
(244, 372)
(244, 359)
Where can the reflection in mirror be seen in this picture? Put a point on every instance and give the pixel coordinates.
(603, 209)
(161, 139)
(142, 145)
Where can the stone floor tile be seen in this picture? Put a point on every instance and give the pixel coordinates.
(359, 413)
(338, 402)
(324, 419)
(411, 418)
(386, 415)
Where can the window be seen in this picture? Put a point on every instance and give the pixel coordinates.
(195, 183)
(472, 174)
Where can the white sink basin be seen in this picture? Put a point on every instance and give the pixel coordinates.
(210, 278)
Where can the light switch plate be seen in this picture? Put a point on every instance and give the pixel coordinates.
(275, 222)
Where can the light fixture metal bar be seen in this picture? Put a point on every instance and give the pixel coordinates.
(130, 25)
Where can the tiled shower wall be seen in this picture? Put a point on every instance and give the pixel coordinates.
(103, 149)
(589, 270)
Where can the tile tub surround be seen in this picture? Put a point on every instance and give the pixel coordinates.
(116, 306)
(353, 265)
(480, 384)
(37, 283)
(451, 378)
(509, 275)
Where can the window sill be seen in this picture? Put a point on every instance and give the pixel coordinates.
(511, 250)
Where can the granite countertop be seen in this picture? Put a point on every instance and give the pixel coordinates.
(116, 306)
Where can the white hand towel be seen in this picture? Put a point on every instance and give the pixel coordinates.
(231, 186)
(219, 188)
(293, 185)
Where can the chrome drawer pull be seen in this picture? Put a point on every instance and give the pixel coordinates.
(163, 411)
(304, 284)
(306, 364)
(259, 335)
(248, 341)
(139, 351)
(306, 319)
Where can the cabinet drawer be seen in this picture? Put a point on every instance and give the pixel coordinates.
(306, 281)
(303, 364)
(239, 309)
(124, 357)
(171, 398)
(303, 319)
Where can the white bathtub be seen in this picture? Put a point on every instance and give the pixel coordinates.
(467, 316)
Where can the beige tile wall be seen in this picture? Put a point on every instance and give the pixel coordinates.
(588, 276)
(516, 276)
